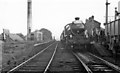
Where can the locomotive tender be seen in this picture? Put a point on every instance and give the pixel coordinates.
(75, 35)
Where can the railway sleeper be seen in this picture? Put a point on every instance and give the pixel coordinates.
(100, 68)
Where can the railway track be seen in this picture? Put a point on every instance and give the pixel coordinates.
(48, 60)
(95, 64)
(67, 63)
(40, 62)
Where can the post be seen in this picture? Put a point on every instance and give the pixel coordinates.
(115, 20)
(116, 13)
(110, 33)
(107, 16)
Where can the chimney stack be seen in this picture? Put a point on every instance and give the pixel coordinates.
(29, 18)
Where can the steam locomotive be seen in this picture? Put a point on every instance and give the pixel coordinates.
(74, 35)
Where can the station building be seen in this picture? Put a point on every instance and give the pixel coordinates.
(37, 35)
(41, 35)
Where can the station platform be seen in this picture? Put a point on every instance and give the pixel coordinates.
(102, 50)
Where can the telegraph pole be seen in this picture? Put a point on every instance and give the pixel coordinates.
(29, 19)
(107, 16)
(115, 19)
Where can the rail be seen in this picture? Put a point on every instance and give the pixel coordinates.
(117, 68)
(47, 67)
(85, 66)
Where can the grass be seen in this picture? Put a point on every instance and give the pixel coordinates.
(15, 51)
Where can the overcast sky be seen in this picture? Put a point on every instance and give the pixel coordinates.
(51, 14)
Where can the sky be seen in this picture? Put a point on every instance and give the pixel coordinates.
(51, 14)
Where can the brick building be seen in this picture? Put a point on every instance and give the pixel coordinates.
(91, 25)
(41, 35)
(37, 35)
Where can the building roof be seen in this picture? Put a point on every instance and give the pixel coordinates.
(97, 22)
(16, 37)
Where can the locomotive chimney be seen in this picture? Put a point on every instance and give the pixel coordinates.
(92, 17)
(77, 18)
